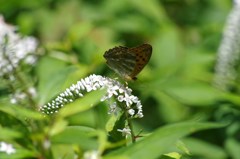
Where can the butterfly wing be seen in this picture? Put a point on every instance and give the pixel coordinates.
(128, 62)
(143, 54)
(121, 60)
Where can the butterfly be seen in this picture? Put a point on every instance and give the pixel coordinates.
(128, 62)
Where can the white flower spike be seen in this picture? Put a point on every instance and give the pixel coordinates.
(91, 83)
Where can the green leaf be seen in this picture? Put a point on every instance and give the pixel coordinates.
(234, 98)
(82, 104)
(20, 153)
(233, 147)
(166, 51)
(195, 94)
(63, 151)
(202, 148)
(182, 146)
(114, 134)
(52, 76)
(83, 136)
(6, 133)
(170, 107)
(171, 155)
(162, 139)
(58, 126)
(150, 8)
(20, 112)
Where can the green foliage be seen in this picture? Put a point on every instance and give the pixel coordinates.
(175, 88)
(161, 140)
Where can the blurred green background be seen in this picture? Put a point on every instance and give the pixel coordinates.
(175, 86)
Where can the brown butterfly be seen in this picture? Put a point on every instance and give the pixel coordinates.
(128, 62)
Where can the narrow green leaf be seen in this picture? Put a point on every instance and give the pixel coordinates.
(204, 149)
(20, 112)
(20, 153)
(161, 140)
(9, 134)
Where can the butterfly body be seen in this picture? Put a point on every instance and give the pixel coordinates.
(128, 62)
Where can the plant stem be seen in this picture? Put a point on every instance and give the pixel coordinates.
(130, 125)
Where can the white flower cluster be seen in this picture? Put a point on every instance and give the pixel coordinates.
(229, 50)
(14, 48)
(7, 148)
(20, 96)
(91, 83)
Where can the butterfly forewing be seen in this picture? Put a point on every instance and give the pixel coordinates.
(128, 62)
(120, 60)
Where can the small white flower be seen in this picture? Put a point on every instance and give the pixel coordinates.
(32, 91)
(125, 131)
(46, 144)
(139, 105)
(113, 109)
(121, 90)
(131, 112)
(104, 98)
(13, 100)
(113, 91)
(91, 155)
(120, 98)
(31, 59)
(7, 148)
(17, 97)
(139, 114)
(128, 100)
